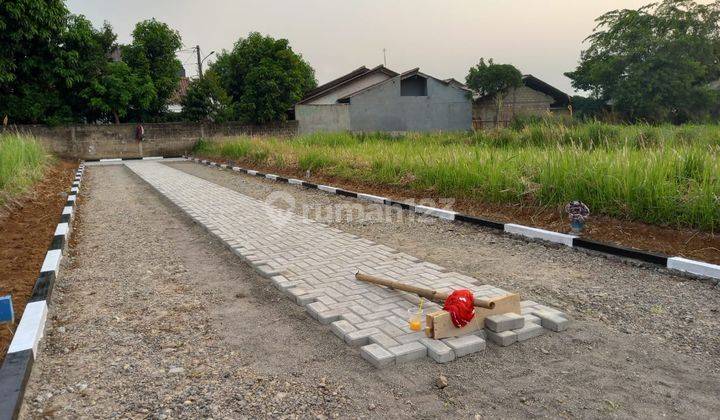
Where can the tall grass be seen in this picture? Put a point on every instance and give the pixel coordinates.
(22, 162)
(657, 174)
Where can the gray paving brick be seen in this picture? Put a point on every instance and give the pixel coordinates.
(377, 356)
(467, 344)
(437, 350)
(315, 308)
(342, 328)
(503, 339)
(329, 316)
(384, 340)
(408, 352)
(504, 322)
(529, 331)
(314, 264)
(360, 337)
(552, 321)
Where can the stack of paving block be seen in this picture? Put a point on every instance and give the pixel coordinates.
(506, 329)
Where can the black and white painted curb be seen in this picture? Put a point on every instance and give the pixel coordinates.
(679, 264)
(120, 161)
(23, 350)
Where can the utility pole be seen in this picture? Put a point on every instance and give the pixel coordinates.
(197, 50)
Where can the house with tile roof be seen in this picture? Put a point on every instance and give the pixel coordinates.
(379, 99)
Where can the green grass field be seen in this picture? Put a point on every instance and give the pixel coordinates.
(22, 163)
(662, 175)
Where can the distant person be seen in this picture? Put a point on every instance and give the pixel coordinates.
(139, 132)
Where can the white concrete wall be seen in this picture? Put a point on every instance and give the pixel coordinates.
(329, 118)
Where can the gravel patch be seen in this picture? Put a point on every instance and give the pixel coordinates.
(153, 318)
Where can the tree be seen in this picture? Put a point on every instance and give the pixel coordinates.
(654, 63)
(264, 77)
(494, 81)
(588, 108)
(206, 100)
(83, 59)
(114, 92)
(151, 56)
(29, 34)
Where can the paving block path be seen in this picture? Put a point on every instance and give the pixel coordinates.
(315, 264)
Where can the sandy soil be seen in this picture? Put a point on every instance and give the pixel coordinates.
(153, 318)
(27, 225)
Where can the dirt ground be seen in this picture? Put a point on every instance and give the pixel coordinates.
(152, 317)
(28, 224)
(689, 243)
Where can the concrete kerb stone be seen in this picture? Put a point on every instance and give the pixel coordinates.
(535, 233)
(698, 268)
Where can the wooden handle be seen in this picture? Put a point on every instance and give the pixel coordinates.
(434, 295)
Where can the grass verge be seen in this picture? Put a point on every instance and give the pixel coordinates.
(22, 163)
(668, 176)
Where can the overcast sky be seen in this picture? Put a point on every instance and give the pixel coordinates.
(443, 38)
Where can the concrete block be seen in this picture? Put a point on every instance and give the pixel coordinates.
(532, 319)
(296, 292)
(253, 173)
(503, 339)
(535, 233)
(437, 350)
(271, 176)
(281, 283)
(529, 331)
(294, 181)
(408, 352)
(407, 338)
(383, 340)
(467, 344)
(552, 321)
(352, 318)
(315, 308)
(342, 328)
(504, 322)
(360, 337)
(267, 271)
(377, 356)
(329, 316)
